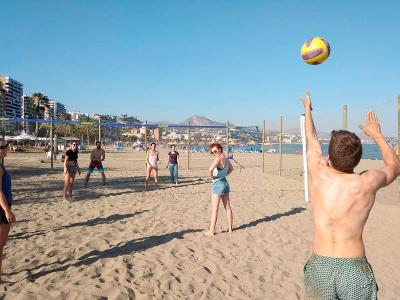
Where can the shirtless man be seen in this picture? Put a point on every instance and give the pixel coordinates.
(96, 157)
(341, 201)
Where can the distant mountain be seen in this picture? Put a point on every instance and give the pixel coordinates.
(201, 121)
(165, 122)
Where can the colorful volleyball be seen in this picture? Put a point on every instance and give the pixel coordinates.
(315, 51)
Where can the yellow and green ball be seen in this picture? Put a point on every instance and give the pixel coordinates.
(315, 51)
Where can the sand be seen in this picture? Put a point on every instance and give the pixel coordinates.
(120, 242)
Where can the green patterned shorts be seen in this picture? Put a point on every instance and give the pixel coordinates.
(327, 278)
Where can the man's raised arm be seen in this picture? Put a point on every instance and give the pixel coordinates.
(314, 152)
(391, 170)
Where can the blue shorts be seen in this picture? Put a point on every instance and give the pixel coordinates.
(220, 187)
(95, 165)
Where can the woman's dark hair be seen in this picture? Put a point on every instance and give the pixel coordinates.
(76, 149)
(153, 144)
(173, 146)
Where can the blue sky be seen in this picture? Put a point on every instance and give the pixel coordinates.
(227, 60)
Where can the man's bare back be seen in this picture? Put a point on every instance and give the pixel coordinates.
(342, 201)
(341, 205)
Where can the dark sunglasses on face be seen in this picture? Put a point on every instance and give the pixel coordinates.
(4, 147)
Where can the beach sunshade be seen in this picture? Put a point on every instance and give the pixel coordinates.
(23, 137)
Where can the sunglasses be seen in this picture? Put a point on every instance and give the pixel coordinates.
(73, 144)
(4, 147)
(214, 151)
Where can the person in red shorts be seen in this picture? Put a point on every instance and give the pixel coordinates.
(96, 157)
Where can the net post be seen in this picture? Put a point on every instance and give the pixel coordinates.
(145, 143)
(227, 138)
(188, 148)
(305, 167)
(51, 145)
(344, 117)
(398, 133)
(99, 128)
(280, 145)
(263, 148)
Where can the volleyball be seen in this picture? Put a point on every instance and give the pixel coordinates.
(315, 51)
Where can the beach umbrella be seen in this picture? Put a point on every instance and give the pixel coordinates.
(22, 137)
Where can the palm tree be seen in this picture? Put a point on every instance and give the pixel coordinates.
(40, 104)
(65, 129)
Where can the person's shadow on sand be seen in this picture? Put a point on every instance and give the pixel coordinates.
(130, 247)
(291, 212)
(136, 245)
(93, 222)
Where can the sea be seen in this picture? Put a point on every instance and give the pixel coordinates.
(370, 151)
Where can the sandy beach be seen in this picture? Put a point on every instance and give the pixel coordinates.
(120, 242)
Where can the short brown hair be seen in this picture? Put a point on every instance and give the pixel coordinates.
(345, 150)
(218, 145)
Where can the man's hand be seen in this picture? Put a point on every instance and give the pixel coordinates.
(372, 127)
(10, 216)
(306, 100)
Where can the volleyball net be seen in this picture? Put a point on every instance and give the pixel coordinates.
(272, 146)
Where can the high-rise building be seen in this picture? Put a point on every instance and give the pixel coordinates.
(13, 93)
(11, 100)
(56, 109)
(3, 93)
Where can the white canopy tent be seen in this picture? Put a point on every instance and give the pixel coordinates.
(23, 137)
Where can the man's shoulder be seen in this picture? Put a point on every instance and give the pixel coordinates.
(372, 176)
(320, 170)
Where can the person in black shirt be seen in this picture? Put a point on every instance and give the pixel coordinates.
(70, 168)
(173, 163)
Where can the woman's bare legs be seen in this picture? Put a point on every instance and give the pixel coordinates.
(214, 214)
(227, 204)
(156, 176)
(4, 230)
(71, 185)
(148, 173)
(66, 185)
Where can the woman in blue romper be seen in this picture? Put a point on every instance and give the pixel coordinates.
(219, 170)
(6, 215)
